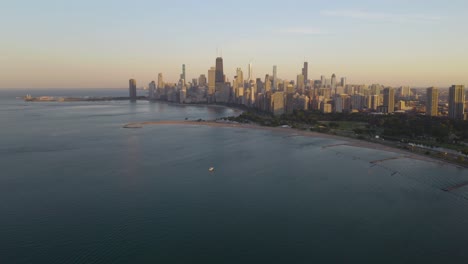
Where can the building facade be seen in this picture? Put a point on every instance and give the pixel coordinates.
(211, 81)
(219, 78)
(389, 100)
(457, 102)
(132, 89)
(432, 101)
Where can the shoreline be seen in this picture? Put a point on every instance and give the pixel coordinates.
(235, 107)
(348, 141)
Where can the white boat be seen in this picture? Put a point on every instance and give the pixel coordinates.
(211, 169)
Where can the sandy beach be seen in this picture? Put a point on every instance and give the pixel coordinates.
(347, 141)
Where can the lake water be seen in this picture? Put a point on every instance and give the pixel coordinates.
(76, 187)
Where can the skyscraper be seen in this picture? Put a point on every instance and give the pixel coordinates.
(160, 81)
(432, 102)
(405, 91)
(457, 102)
(151, 90)
(240, 77)
(238, 85)
(132, 89)
(375, 89)
(202, 80)
(183, 76)
(275, 80)
(211, 80)
(267, 83)
(305, 71)
(250, 73)
(253, 92)
(259, 84)
(343, 82)
(323, 81)
(389, 99)
(219, 70)
(277, 103)
(300, 84)
(333, 82)
(373, 101)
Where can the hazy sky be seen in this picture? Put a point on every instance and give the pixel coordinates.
(103, 43)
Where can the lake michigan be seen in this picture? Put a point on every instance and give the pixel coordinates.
(77, 187)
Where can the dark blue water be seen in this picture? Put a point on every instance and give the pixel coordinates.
(76, 187)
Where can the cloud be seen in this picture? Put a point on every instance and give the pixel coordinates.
(304, 31)
(390, 17)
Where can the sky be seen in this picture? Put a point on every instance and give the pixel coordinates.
(103, 43)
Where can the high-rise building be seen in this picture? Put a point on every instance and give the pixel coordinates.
(183, 76)
(349, 89)
(357, 101)
(275, 80)
(267, 83)
(183, 94)
(160, 81)
(457, 102)
(132, 89)
(342, 103)
(238, 84)
(260, 86)
(151, 90)
(343, 82)
(432, 101)
(211, 80)
(240, 77)
(405, 91)
(202, 80)
(250, 73)
(223, 92)
(326, 107)
(300, 84)
(323, 81)
(219, 70)
(389, 99)
(373, 102)
(305, 71)
(277, 103)
(333, 82)
(253, 92)
(375, 89)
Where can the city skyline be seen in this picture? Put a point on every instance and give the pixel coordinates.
(101, 45)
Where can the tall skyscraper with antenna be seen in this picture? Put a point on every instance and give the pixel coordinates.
(219, 70)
